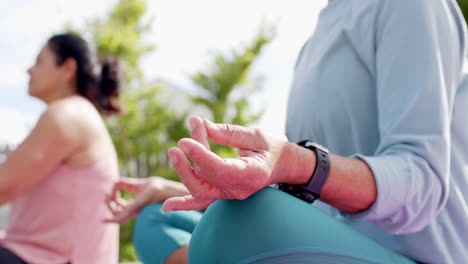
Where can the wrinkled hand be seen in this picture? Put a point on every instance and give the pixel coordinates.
(147, 190)
(212, 177)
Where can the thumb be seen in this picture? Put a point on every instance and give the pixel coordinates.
(185, 203)
(236, 136)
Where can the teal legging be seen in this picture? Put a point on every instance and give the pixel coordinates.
(157, 234)
(271, 227)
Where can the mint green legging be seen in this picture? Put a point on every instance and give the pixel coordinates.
(268, 227)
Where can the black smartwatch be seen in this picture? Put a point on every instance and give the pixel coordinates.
(311, 191)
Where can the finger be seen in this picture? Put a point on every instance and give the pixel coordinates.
(210, 167)
(118, 219)
(122, 216)
(110, 221)
(115, 197)
(133, 185)
(198, 131)
(133, 207)
(114, 208)
(197, 186)
(200, 156)
(235, 136)
(185, 203)
(121, 201)
(115, 194)
(111, 208)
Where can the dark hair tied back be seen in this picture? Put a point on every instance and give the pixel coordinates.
(109, 82)
(100, 84)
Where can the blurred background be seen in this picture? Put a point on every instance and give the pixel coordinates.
(230, 61)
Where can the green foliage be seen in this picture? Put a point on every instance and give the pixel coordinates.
(126, 250)
(121, 33)
(144, 133)
(225, 89)
(147, 128)
(464, 7)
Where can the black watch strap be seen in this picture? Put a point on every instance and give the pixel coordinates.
(311, 191)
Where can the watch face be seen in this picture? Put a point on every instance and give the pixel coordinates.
(316, 145)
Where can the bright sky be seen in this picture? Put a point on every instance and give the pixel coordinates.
(186, 34)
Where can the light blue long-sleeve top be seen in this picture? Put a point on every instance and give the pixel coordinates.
(382, 81)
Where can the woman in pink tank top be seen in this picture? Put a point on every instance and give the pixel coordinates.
(59, 177)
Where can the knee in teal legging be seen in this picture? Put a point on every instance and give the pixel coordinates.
(274, 227)
(157, 234)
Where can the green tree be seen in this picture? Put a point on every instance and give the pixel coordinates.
(144, 133)
(120, 35)
(227, 86)
(141, 133)
(147, 128)
(464, 7)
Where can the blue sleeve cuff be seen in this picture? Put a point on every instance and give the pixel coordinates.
(392, 176)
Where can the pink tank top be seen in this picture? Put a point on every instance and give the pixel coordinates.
(59, 220)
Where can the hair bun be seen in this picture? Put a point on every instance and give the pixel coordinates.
(111, 76)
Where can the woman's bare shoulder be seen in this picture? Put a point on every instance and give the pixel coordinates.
(73, 115)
